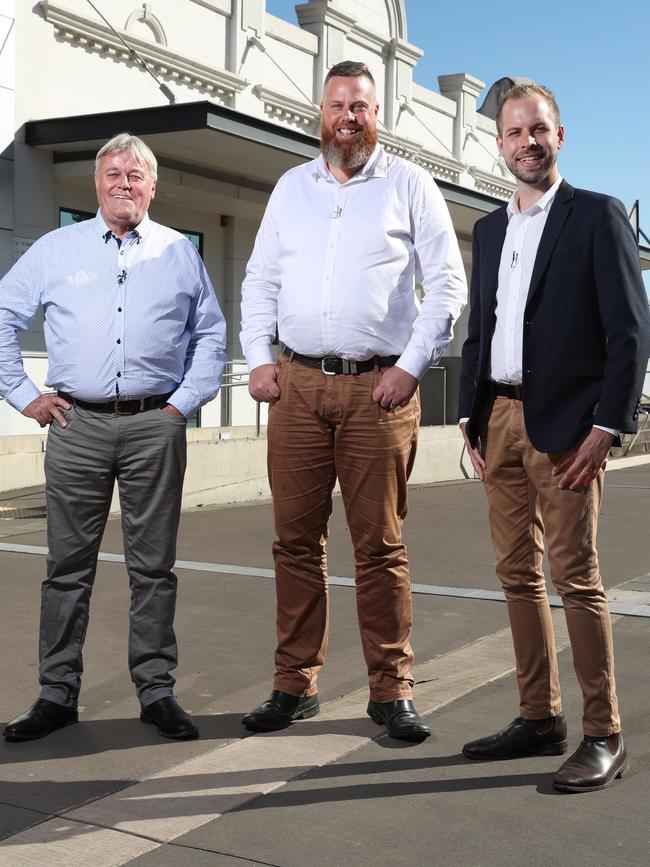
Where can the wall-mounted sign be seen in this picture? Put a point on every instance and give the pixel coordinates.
(21, 245)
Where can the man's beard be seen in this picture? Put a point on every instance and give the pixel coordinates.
(539, 173)
(348, 156)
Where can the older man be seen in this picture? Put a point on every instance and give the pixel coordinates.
(343, 240)
(135, 343)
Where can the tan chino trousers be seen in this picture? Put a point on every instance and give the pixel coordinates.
(322, 427)
(525, 505)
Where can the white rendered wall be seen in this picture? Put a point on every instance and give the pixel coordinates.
(45, 73)
(7, 127)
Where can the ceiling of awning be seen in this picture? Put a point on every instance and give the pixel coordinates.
(203, 137)
(200, 148)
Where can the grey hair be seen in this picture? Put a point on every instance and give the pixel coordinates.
(140, 151)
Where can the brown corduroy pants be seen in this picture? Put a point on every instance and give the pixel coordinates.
(525, 505)
(323, 427)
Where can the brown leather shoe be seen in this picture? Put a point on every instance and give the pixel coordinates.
(523, 737)
(595, 765)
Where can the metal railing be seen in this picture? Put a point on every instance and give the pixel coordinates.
(236, 379)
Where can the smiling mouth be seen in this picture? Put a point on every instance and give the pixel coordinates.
(346, 131)
(124, 198)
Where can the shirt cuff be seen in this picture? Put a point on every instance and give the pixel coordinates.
(22, 395)
(412, 362)
(259, 355)
(463, 420)
(609, 430)
(184, 400)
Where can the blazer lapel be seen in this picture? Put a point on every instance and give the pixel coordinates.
(560, 210)
(488, 299)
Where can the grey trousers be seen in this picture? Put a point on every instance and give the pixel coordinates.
(146, 454)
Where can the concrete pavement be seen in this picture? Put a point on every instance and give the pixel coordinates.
(331, 790)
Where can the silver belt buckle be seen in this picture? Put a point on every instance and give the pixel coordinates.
(322, 365)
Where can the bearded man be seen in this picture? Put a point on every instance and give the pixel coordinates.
(552, 372)
(342, 242)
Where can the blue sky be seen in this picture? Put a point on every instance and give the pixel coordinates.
(594, 55)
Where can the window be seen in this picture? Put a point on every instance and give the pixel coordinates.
(68, 217)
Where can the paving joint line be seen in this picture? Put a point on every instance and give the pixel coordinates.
(626, 608)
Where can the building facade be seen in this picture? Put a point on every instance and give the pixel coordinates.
(238, 106)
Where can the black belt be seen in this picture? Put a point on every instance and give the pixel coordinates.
(121, 407)
(331, 364)
(505, 389)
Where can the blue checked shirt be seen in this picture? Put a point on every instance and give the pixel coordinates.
(131, 320)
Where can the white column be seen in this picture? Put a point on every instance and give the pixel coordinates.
(464, 90)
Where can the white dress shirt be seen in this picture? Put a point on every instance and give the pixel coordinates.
(335, 265)
(517, 260)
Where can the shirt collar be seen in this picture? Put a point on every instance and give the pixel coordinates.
(377, 166)
(138, 233)
(542, 204)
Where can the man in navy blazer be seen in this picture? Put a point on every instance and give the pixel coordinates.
(552, 373)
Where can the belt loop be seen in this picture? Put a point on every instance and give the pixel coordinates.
(291, 354)
(143, 400)
(376, 362)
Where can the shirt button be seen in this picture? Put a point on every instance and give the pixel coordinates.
(119, 309)
(118, 340)
(119, 374)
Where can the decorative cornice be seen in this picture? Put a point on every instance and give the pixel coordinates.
(92, 36)
(461, 82)
(310, 14)
(441, 167)
(400, 49)
(485, 182)
(286, 109)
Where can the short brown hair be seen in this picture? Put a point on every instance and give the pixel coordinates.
(523, 91)
(349, 69)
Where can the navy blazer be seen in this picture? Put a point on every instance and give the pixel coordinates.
(586, 322)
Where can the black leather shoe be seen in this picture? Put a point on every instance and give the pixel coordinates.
(595, 765)
(42, 718)
(401, 719)
(523, 737)
(280, 710)
(170, 718)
